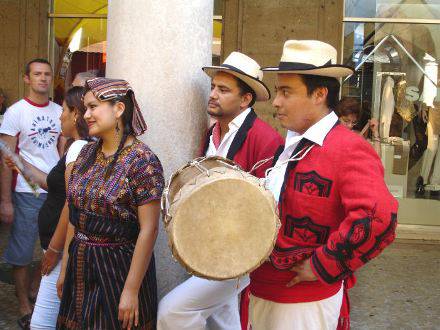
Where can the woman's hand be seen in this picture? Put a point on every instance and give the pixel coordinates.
(50, 260)
(129, 309)
(60, 284)
(374, 127)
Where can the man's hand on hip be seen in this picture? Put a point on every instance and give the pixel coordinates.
(303, 272)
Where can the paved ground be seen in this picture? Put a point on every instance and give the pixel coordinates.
(398, 290)
(8, 302)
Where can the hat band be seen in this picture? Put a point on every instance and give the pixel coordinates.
(231, 67)
(287, 66)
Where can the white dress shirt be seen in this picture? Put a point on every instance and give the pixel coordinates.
(316, 133)
(226, 142)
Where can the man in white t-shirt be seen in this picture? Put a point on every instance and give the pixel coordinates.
(31, 126)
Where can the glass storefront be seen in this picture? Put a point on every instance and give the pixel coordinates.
(395, 48)
(413, 9)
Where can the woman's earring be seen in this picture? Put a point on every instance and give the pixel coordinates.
(74, 120)
(117, 128)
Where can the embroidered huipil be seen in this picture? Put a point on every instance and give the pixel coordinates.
(104, 213)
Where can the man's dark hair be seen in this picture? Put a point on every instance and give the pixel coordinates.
(332, 84)
(27, 68)
(244, 89)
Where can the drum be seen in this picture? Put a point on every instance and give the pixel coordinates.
(221, 221)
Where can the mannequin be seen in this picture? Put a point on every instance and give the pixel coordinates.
(386, 107)
(404, 107)
(431, 159)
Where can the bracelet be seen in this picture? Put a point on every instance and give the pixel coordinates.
(53, 250)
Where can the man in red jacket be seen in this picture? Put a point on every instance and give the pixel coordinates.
(335, 209)
(241, 136)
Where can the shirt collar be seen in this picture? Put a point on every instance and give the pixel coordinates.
(239, 120)
(316, 133)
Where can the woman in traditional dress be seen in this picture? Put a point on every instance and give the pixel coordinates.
(108, 278)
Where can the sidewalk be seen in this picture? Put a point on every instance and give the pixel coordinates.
(8, 301)
(398, 290)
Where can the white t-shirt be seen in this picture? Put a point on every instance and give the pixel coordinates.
(74, 150)
(37, 129)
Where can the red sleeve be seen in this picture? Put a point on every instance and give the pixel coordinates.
(370, 216)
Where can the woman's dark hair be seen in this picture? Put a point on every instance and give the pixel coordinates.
(348, 106)
(313, 82)
(73, 99)
(126, 117)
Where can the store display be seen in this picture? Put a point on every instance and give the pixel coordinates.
(386, 107)
(398, 106)
(429, 88)
(395, 156)
(404, 107)
(430, 172)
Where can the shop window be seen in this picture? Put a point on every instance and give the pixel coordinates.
(396, 81)
(414, 9)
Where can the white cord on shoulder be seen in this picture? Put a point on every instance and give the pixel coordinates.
(304, 151)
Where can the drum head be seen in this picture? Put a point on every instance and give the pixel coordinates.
(188, 173)
(231, 233)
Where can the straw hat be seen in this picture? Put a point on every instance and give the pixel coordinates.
(310, 57)
(245, 69)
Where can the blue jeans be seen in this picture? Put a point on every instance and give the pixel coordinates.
(24, 231)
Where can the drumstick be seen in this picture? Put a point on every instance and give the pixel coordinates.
(19, 167)
(367, 125)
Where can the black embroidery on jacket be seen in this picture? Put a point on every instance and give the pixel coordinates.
(304, 229)
(312, 183)
(343, 271)
(285, 258)
(358, 234)
(382, 240)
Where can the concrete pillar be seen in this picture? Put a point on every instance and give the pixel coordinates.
(160, 47)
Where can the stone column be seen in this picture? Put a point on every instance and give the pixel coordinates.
(160, 48)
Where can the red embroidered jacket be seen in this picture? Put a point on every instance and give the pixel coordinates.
(335, 208)
(255, 140)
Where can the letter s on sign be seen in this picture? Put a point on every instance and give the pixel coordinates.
(412, 93)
